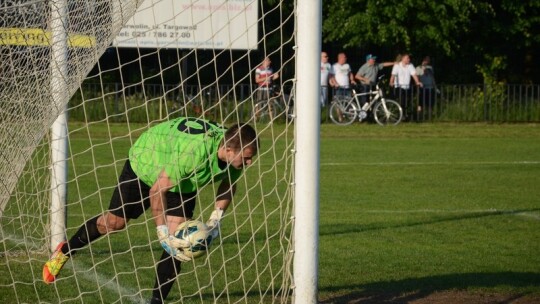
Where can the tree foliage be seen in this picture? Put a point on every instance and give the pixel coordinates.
(491, 30)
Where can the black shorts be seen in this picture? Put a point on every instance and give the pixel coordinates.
(131, 198)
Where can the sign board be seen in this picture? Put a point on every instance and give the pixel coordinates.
(202, 24)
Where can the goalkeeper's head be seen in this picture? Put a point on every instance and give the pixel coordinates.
(240, 145)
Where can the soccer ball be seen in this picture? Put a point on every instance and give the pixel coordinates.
(198, 234)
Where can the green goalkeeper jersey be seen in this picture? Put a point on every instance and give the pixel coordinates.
(187, 149)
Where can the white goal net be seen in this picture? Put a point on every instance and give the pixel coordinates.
(113, 77)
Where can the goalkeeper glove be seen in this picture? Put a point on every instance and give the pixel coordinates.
(172, 245)
(213, 222)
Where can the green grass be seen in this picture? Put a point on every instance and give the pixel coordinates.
(417, 208)
(429, 208)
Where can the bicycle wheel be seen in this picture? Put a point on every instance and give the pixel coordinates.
(278, 108)
(264, 111)
(388, 112)
(343, 111)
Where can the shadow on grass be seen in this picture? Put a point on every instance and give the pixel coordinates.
(408, 290)
(333, 230)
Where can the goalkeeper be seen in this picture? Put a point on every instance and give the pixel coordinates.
(165, 168)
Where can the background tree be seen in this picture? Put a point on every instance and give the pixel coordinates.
(469, 39)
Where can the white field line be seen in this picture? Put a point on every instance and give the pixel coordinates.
(105, 282)
(130, 294)
(525, 162)
(529, 215)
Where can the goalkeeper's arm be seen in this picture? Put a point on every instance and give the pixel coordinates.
(158, 204)
(224, 197)
(158, 201)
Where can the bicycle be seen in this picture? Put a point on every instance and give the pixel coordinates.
(276, 105)
(346, 109)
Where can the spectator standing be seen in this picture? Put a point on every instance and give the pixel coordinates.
(428, 91)
(264, 77)
(327, 78)
(367, 74)
(400, 79)
(343, 75)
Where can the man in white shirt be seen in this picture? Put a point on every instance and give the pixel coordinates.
(400, 79)
(343, 75)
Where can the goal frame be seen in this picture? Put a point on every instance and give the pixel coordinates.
(307, 127)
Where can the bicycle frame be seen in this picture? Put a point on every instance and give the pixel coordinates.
(345, 109)
(374, 96)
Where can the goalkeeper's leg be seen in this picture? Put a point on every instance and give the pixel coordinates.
(168, 269)
(85, 235)
(129, 190)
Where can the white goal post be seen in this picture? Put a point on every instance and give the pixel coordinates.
(307, 153)
(72, 103)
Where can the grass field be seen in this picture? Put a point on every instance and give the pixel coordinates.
(419, 209)
(409, 213)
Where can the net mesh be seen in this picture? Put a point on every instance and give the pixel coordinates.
(57, 58)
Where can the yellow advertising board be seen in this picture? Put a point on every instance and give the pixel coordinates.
(41, 37)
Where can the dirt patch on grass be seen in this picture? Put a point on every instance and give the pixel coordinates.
(479, 298)
(437, 297)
